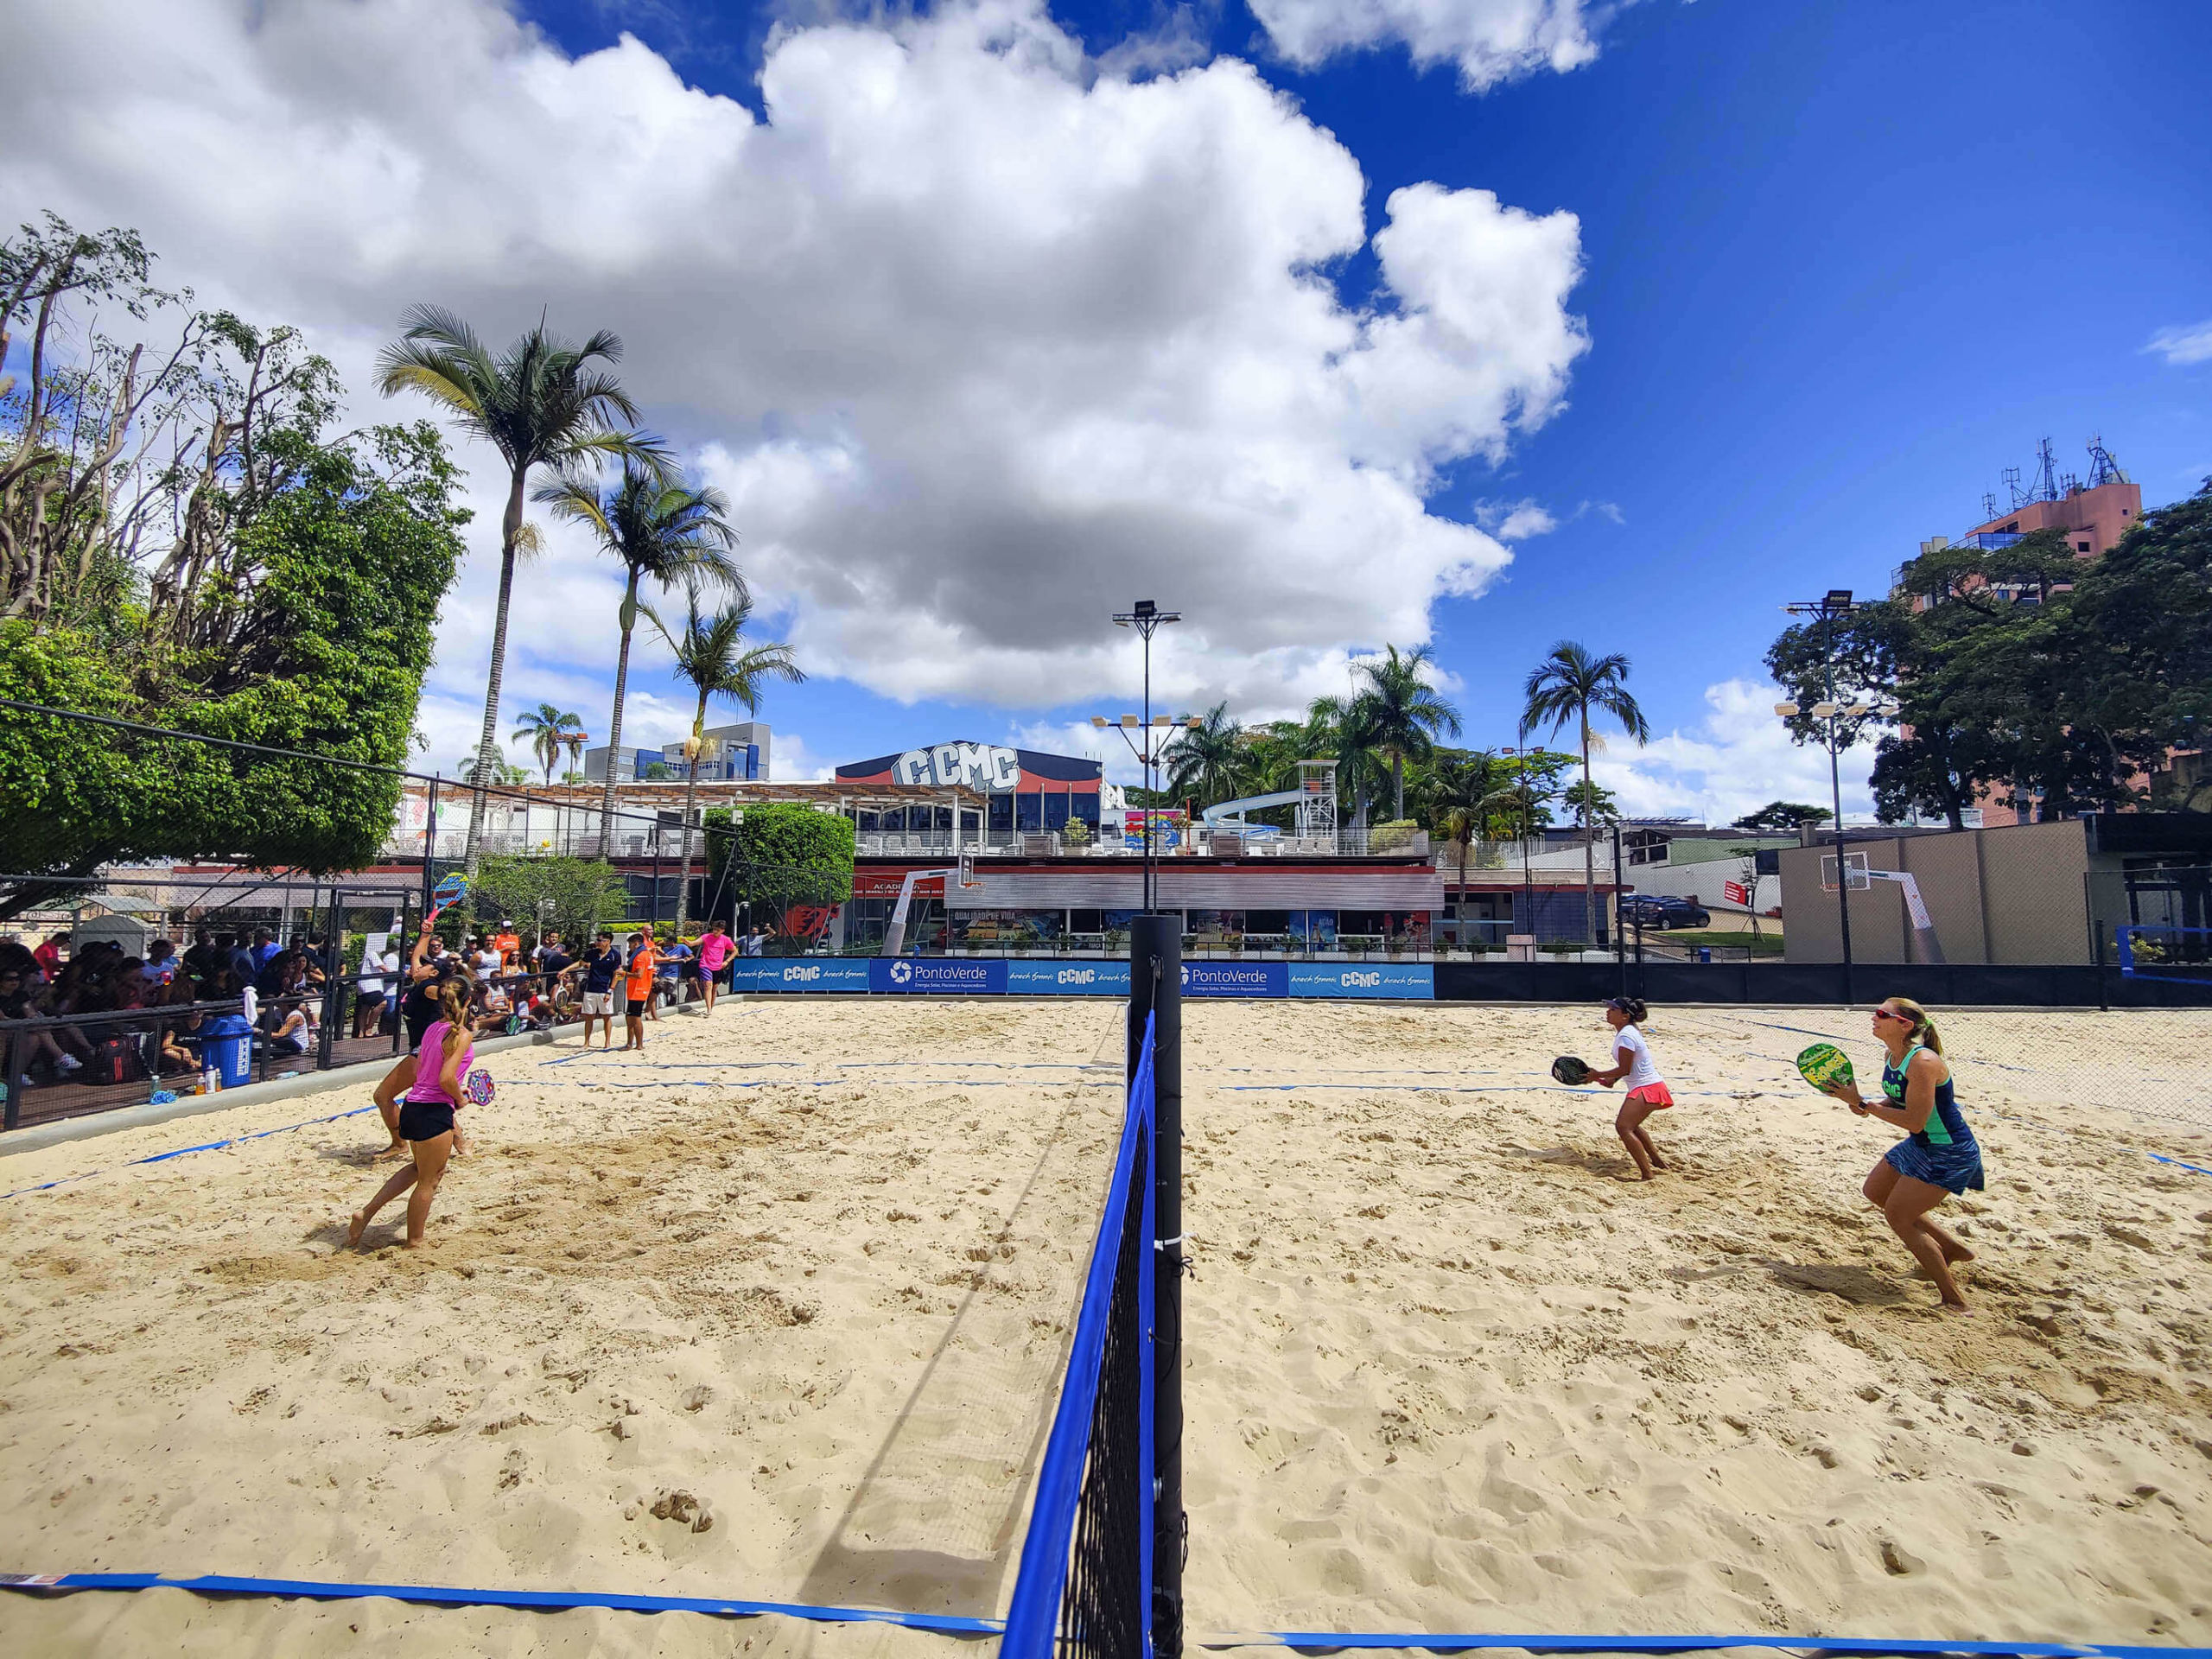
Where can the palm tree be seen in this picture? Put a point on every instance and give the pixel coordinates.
(542, 403)
(664, 532)
(549, 731)
(712, 656)
(1210, 760)
(1340, 727)
(1405, 715)
(1567, 685)
(500, 773)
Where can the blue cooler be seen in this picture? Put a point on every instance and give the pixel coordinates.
(227, 1043)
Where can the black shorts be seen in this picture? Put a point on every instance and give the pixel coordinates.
(638, 1007)
(424, 1120)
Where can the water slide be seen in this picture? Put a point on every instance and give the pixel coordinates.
(1215, 817)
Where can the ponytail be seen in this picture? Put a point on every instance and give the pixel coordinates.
(453, 999)
(1633, 1006)
(1923, 1026)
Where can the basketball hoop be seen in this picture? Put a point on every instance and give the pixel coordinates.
(1854, 870)
(966, 874)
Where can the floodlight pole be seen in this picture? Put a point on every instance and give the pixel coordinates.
(1147, 618)
(1836, 603)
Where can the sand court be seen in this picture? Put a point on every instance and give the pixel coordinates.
(778, 1310)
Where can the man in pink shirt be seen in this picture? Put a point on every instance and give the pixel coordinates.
(715, 951)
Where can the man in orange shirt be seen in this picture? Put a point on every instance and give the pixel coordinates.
(638, 988)
(509, 947)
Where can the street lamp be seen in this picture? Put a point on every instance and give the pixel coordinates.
(1528, 829)
(1148, 758)
(1147, 619)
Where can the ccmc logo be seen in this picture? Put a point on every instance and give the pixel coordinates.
(1080, 976)
(1355, 979)
(801, 974)
(901, 972)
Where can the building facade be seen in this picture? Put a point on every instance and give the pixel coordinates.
(739, 753)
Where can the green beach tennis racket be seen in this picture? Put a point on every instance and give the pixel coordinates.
(1824, 1065)
(1569, 1070)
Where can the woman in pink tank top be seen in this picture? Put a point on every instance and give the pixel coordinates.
(427, 1121)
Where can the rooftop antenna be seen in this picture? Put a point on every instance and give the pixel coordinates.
(2046, 484)
(1988, 506)
(2012, 488)
(2103, 469)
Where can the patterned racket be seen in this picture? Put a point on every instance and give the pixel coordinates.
(1824, 1065)
(478, 1087)
(1569, 1070)
(453, 888)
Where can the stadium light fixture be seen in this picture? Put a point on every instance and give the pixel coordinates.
(1827, 710)
(1099, 721)
(1787, 710)
(1147, 618)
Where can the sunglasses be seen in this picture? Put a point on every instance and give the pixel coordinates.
(1884, 1014)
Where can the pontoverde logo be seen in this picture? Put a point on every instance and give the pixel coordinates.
(901, 972)
(801, 974)
(1078, 976)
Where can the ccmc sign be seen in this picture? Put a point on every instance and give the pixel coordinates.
(981, 767)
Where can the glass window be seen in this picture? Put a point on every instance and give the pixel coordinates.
(1086, 921)
(1001, 811)
(1028, 811)
(1056, 811)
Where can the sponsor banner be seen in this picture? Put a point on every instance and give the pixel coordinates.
(1068, 978)
(777, 973)
(1236, 979)
(938, 976)
(1416, 980)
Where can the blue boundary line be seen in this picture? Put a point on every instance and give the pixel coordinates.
(320, 1590)
(205, 1146)
(1318, 1640)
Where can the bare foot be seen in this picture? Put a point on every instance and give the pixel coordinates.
(1957, 1308)
(416, 1243)
(396, 1149)
(354, 1229)
(1954, 1254)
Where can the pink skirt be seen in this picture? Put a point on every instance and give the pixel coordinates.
(1652, 1094)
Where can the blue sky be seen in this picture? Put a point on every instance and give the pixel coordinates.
(1844, 265)
(1837, 266)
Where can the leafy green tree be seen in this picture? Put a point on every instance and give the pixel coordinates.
(1592, 803)
(784, 858)
(1343, 729)
(573, 897)
(713, 659)
(502, 773)
(1466, 797)
(1207, 762)
(543, 403)
(1783, 815)
(663, 532)
(1401, 713)
(310, 629)
(1568, 685)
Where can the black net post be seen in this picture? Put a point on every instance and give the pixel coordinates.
(1156, 989)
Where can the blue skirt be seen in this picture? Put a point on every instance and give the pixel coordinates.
(1954, 1169)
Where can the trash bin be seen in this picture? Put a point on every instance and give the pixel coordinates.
(1704, 953)
(227, 1043)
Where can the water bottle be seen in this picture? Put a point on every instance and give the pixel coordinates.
(209, 1083)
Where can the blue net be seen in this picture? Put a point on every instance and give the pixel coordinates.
(1084, 1589)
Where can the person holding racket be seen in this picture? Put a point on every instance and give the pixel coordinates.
(638, 987)
(427, 1123)
(1647, 1090)
(1939, 1157)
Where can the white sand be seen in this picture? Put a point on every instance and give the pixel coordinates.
(1446, 1373)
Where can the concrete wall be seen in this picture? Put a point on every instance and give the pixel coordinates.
(2011, 894)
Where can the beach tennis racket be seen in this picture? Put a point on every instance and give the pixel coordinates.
(479, 1087)
(453, 888)
(1824, 1065)
(1569, 1070)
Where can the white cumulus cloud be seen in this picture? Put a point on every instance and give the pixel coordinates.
(1490, 40)
(2191, 343)
(984, 339)
(1740, 759)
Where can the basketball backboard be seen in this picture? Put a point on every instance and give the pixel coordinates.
(1854, 870)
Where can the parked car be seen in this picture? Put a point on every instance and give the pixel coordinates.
(1661, 911)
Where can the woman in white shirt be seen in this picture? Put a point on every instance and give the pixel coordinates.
(1647, 1090)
